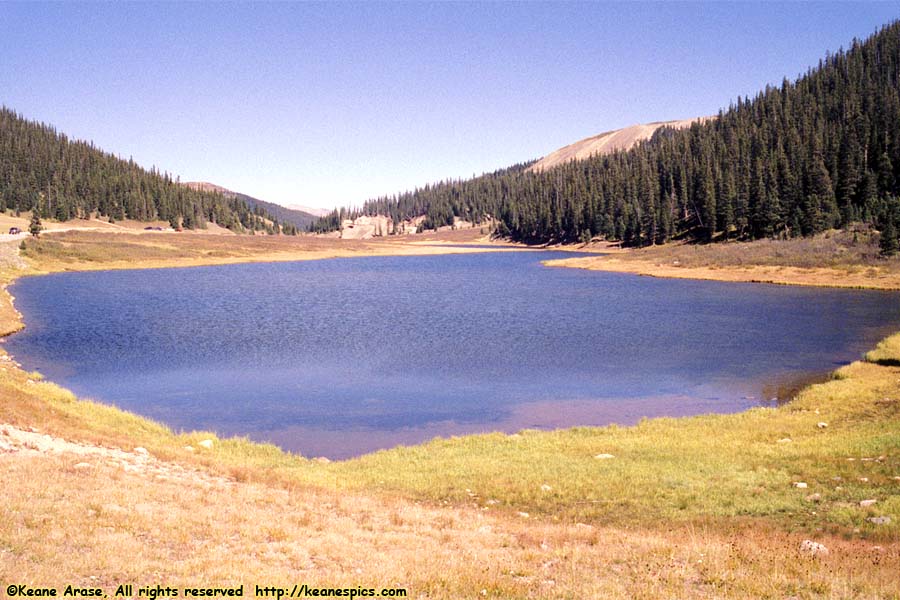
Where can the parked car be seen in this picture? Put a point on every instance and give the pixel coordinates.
(14, 231)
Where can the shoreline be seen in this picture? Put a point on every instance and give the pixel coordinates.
(607, 259)
(837, 259)
(12, 321)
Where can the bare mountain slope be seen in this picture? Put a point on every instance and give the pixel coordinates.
(205, 186)
(318, 212)
(608, 142)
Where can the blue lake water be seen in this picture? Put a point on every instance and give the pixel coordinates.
(344, 356)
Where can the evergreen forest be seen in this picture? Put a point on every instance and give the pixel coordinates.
(808, 155)
(42, 170)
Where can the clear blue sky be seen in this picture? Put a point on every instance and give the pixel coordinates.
(326, 104)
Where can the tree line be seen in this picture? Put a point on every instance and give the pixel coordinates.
(42, 170)
(815, 153)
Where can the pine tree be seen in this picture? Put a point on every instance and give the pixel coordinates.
(35, 227)
(888, 240)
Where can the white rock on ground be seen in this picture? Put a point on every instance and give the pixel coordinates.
(865, 503)
(800, 484)
(206, 444)
(604, 456)
(813, 548)
(31, 442)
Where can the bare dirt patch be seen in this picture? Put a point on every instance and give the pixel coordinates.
(608, 142)
(21, 442)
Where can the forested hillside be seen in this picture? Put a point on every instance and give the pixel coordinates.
(471, 199)
(63, 179)
(290, 219)
(799, 158)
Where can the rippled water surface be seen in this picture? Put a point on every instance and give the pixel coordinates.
(344, 356)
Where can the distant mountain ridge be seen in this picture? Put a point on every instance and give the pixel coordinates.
(299, 218)
(608, 142)
(318, 212)
(205, 186)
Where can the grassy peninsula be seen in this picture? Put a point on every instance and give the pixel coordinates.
(709, 506)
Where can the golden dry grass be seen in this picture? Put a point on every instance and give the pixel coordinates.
(90, 521)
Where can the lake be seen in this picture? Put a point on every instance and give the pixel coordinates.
(344, 356)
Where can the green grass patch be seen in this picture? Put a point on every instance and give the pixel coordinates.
(677, 470)
(887, 352)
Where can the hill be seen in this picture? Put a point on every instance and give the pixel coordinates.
(299, 219)
(43, 170)
(316, 212)
(799, 158)
(205, 186)
(608, 142)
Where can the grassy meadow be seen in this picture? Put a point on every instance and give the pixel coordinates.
(705, 506)
(81, 250)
